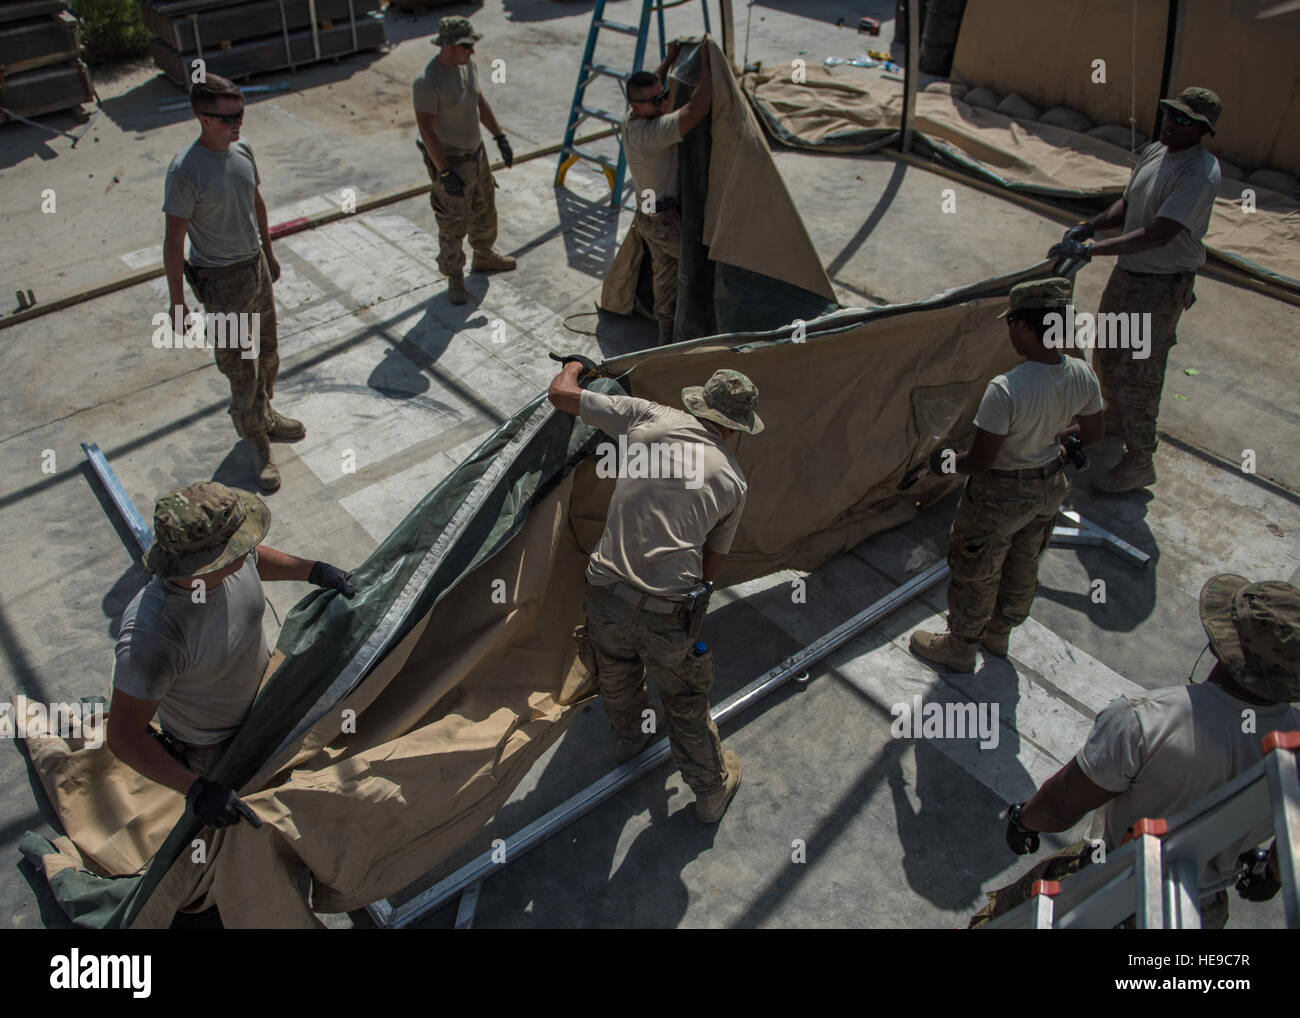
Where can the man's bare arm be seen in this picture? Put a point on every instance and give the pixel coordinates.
(712, 564)
(1063, 800)
(486, 116)
(697, 107)
(277, 565)
(1158, 234)
(129, 740)
(1111, 218)
(174, 263)
(565, 393)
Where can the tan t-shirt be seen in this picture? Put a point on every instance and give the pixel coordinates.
(1180, 186)
(203, 661)
(651, 150)
(451, 94)
(217, 193)
(1167, 749)
(679, 488)
(1031, 404)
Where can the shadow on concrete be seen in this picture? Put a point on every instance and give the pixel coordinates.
(403, 25)
(19, 141)
(824, 10)
(549, 10)
(590, 231)
(883, 203)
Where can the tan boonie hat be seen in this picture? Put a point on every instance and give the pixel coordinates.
(1198, 103)
(727, 398)
(453, 30)
(203, 527)
(1254, 629)
(1055, 292)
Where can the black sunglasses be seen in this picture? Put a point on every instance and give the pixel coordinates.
(228, 118)
(466, 45)
(1182, 119)
(658, 100)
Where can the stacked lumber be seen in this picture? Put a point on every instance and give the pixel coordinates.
(238, 38)
(40, 66)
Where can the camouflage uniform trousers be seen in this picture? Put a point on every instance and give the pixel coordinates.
(244, 288)
(474, 213)
(1132, 387)
(626, 641)
(1065, 863)
(662, 234)
(1002, 527)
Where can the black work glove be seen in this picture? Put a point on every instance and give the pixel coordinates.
(1019, 840)
(325, 575)
(451, 182)
(1079, 232)
(936, 463)
(217, 805)
(1257, 884)
(590, 369)
(507, 153)
(1071, 249)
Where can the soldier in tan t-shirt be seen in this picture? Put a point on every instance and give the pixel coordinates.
(1006, 513)
(448, 109)
(650, 140)
(677, 503)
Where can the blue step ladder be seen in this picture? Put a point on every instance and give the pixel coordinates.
(614, 170)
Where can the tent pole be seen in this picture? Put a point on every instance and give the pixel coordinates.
(910, 72)
(1173, 54)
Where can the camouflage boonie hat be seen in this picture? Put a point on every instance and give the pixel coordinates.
(1198, 103)
(453, 30)
(727, 398)
(1056, 292)
(203, 527)
(1254, 629)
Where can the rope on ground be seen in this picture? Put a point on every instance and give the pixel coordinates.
(584, 332)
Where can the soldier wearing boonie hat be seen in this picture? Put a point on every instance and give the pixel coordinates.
(1006, 513)
(1163, 214)
(1158, 754)
(448, 110)
(670, 525)
(191, 647)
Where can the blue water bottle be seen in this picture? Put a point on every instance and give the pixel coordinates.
(700, 648)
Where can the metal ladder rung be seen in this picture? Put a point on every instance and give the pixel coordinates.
(618, 26)
(597, 69)
(600, 115)
(591, 157)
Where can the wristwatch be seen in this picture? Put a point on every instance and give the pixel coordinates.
(1013, 815)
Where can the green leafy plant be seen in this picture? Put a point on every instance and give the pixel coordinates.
(111, 30)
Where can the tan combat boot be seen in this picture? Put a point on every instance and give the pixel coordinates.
(492, 261)
(456, 291)
(284, 428)
(629, 748)
(268, 474)
(996, 641)
(710, 807)
(955, 652)
(1133, 472)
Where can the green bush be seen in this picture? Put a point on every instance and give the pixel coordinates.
(111, 30)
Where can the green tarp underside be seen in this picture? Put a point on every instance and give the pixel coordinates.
(86, 898)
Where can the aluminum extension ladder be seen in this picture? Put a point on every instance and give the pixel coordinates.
(615, 170)
(1154, 877)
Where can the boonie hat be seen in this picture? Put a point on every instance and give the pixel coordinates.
(1254, 629)
(1055, 292)
(727, 398)
(203, 527)
(1198, 103)
(453, 30)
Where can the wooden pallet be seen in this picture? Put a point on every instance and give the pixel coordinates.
(16, 10)
(219, 27)
(46, 89)
(255, 56)
(35, 42)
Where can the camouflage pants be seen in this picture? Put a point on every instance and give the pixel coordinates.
(626, 641)
(472, 214)
(243, 289)
(1132, 387)
(1002, 527)
(662, 234)
(1065, 863)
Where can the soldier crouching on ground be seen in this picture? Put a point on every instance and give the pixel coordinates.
(191, 647)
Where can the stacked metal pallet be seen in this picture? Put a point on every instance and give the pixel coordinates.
(40, 69)
(237, 38)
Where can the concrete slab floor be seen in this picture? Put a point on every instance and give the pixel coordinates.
(383, 368)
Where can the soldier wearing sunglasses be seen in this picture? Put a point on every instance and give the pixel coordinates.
(212, 195)
(1164, 214)
(650, 139)
(448, 110)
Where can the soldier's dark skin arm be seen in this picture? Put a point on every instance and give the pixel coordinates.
(1063, 800)
(712, 564)
(1159, 233)
(980, 456)
(1091, 429)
